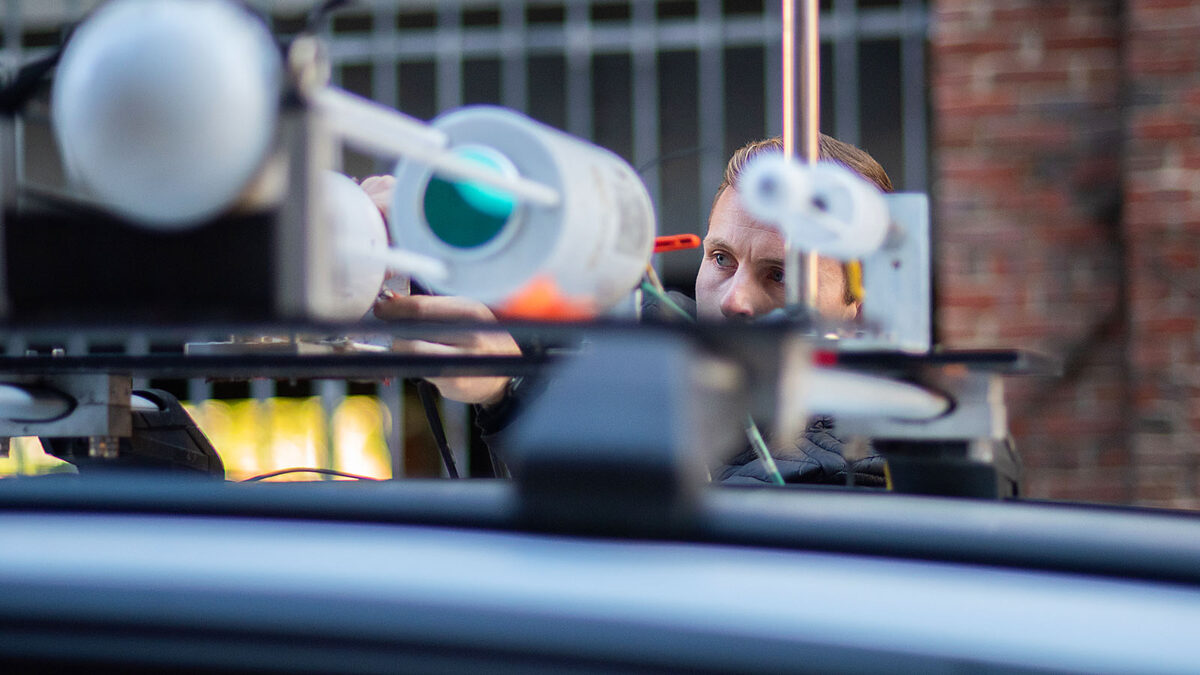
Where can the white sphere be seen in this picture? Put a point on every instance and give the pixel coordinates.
(166, 109)
(358, 230)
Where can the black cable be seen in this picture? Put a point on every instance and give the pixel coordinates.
(672, 156)
(24, 85)
(327, 472)
(426, 392)
(321, 12)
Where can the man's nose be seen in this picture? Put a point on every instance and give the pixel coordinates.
(742, 299)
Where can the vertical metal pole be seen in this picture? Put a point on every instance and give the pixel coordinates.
(449, 55)
(332, 393)
(772, 74)
(199, 389)
(16, 344)
(264, 442)
(514, 69)
(802, 67)
(456, 418)
(579, 69)
(262, 389)
(137, 344)
(810, 106)
(10, 170)
(912, 79)
(14, 26)
(391, 395)
(711, 99)
(809, 92)
(384, 68)
(845, 71)
(645, 96)
(788, 92)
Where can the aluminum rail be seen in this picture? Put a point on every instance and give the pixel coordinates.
(842, 393)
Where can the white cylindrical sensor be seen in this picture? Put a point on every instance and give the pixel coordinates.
(594, 243)
(165, 110)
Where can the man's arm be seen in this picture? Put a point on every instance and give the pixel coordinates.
(470, 389)
(481, 390)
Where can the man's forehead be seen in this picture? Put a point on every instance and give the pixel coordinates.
(728, 212)
(730, 224)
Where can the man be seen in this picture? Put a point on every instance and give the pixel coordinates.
(740, 277)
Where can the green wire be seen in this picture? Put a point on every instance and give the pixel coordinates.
(666, 301)
(760, 449)
(752, 432)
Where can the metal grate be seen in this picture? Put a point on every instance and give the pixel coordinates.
(696, 80)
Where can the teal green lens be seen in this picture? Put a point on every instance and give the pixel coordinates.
(466, 214)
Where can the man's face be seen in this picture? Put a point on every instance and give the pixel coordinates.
(741, 275)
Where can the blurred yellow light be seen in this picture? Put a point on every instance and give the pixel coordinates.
(255, 437)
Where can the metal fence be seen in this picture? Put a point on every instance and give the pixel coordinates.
(672, 86)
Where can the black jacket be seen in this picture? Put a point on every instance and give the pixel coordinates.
(817, 458)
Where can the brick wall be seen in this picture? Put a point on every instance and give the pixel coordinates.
(1068, 221)
(1162, 228)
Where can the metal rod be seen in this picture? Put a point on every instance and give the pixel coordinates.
(353, 116)
(400, 261)
(809, 93)
(801, 130)
(810, 122)
(376, 128)
(789, 78)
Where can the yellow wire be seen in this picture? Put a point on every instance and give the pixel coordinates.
(854, 280)
(654, 280)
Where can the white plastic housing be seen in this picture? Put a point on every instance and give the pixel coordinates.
(823, 207)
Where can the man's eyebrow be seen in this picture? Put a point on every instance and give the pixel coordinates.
(715, 242)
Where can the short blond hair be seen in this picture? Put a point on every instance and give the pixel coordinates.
(829, 149)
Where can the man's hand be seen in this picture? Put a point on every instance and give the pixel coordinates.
(380, 189)
(469, 389)
(473, 389)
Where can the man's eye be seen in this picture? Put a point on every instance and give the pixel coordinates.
(776, 275)
(721, 259)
